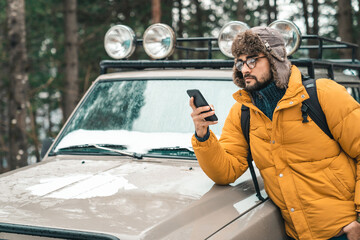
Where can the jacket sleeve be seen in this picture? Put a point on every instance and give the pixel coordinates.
(224, 160)
(343, 117)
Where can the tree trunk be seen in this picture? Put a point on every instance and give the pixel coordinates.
(34, 136)
(241, 12)
(156, 11)
(345, 24)
(357, 33)
(180, 27)
(200, 29)
(306, 15)
(166, 12)
(268, 11)
(3, 103)
(315, 15)
(275, 10)
(71, 91)
(180, 23)
(4, 147)
(125, 6)
(314, 53)
(18, 83)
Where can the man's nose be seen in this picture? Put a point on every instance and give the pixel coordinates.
(245, 69)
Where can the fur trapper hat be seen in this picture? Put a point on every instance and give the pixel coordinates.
(271, 43)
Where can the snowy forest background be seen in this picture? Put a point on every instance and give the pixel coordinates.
(50, 50)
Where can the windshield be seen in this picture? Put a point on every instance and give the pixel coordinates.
(144, 116)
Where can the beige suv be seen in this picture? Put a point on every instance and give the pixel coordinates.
(123, 166)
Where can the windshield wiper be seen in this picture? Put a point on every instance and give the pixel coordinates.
(179, 151)
(82, 146)
(187, 149)
(134, 155)
(96, 146)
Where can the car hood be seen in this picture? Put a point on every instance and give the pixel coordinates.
(129, 199)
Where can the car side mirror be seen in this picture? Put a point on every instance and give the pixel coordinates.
(45, 146)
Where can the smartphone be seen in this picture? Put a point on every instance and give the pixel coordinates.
(200, 101)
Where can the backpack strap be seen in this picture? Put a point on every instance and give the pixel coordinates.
(245, 127)
(313, 108)
(245, 122)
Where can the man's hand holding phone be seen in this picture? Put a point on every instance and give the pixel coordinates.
(203, 115)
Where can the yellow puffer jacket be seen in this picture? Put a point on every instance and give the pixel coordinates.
(310, 177)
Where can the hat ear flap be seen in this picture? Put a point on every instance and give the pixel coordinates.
(238, 78)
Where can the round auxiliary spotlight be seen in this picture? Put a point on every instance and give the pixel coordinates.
(291, 34)
(227, 35)
(159, 41)
(120, 42)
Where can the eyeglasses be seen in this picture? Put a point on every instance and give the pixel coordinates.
(250, 62)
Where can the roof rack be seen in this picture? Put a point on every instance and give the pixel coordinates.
(331, 44)
(323, 44)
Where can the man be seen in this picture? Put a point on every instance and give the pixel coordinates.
(313, 179)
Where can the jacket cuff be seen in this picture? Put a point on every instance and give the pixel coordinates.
(203, 139)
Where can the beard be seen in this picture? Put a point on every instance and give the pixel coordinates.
(265, 81)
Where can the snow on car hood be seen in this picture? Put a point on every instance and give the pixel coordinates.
(139, 142)
(123, 197)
